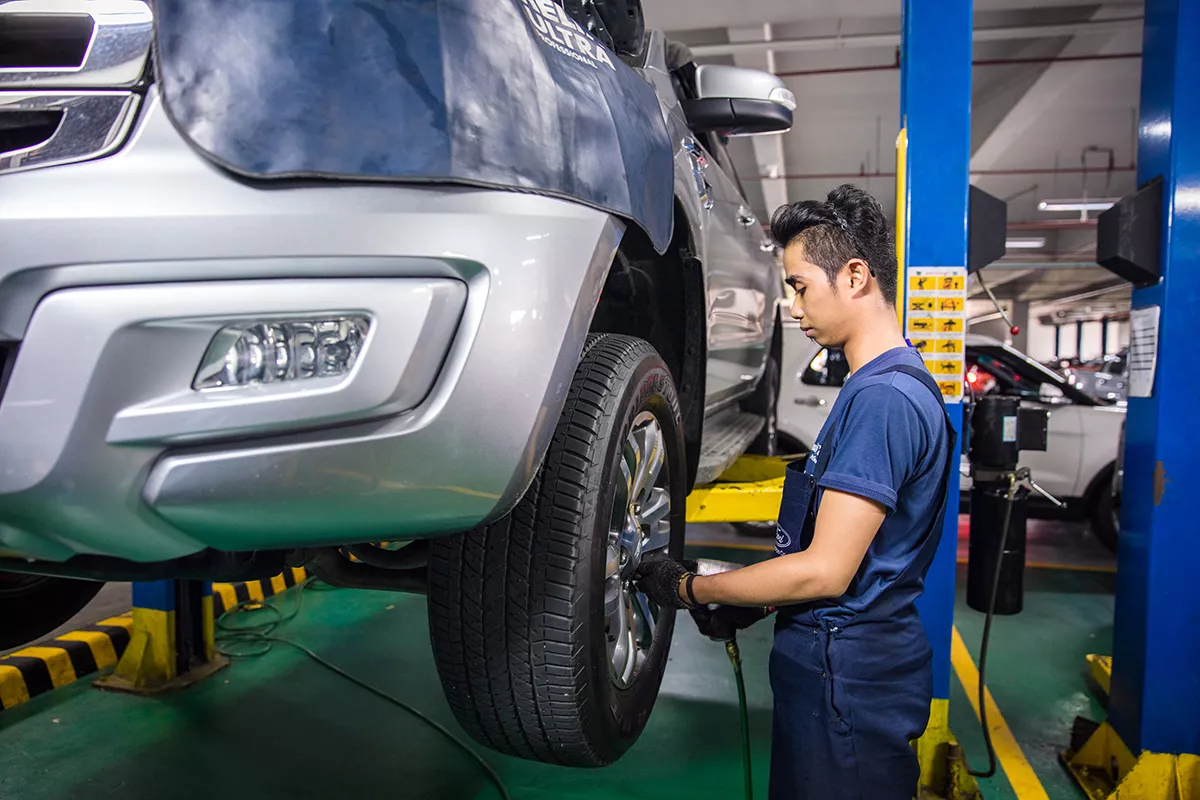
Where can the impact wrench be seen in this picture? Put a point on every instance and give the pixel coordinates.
(708, 566)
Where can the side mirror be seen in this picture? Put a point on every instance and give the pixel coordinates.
(735, 101)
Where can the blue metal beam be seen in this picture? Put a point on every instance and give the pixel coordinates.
(935, 108)
(1155, 699)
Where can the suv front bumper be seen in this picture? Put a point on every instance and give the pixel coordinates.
(121, 269)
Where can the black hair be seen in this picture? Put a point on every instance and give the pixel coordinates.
(849, 224)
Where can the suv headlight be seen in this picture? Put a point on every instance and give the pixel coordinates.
(287, 350)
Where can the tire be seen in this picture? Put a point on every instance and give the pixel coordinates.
(33, 605)
(1105, 511)
(517, 608)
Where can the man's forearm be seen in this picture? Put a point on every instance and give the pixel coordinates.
(793, 578)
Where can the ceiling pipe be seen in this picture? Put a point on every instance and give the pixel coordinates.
(983, 62)
(1059, 224)
(1083, 295)
(868, 40)
(833, 176)
(1045, 264)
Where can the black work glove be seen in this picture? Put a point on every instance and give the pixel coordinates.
(660, 580)
(722, 623)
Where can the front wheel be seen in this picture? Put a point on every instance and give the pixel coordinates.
(32, 606)
(1106, 511)
(545, 648)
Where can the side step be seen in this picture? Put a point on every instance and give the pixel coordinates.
(727, 434)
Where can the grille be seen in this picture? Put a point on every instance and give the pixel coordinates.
(44, 41)
(67, 71)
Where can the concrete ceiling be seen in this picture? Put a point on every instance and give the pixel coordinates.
(1041, 128)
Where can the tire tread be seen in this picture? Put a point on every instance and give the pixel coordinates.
(510, 643)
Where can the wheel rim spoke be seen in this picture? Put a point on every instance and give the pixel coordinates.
(654, 517)
(631, 651)
(648, 450)
(626, 477)
(648, 623)
(619, 640)
(612, 581)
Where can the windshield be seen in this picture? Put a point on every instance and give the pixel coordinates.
(1002, 370)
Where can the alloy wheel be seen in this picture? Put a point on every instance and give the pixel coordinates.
(639, 528)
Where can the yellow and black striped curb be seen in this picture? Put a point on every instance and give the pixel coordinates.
(47, 665)
(56, 662)
(228, 595)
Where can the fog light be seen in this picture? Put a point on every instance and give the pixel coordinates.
(271, 352)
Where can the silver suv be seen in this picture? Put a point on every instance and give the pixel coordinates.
(248, 322)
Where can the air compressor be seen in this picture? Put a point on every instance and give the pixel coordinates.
(999, 430)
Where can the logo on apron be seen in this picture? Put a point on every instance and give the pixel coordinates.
(782, 540)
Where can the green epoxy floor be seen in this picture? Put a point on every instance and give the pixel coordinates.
(282, 726)
(1037, 671)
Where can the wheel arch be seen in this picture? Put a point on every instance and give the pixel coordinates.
(1098, 483)
(662, 299)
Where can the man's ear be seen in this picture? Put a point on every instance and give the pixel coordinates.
(857, 273)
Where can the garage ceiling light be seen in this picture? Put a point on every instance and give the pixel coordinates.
(1030, 243)
(1083, 204)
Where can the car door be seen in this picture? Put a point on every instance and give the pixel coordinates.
(994, 370)
(742, 283)
(809, 383)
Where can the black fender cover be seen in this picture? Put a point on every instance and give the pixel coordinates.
(507, 94)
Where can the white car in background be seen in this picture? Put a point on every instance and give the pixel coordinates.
(1083, 431)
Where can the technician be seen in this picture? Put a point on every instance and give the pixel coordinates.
(859, 523)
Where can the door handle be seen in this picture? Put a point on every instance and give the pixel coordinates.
(815, 402)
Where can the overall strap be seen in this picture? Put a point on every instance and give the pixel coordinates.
(923, 376)
(926, 380)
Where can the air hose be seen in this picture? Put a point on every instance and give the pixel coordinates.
(987, 632)
(735, 658)
(251, 639)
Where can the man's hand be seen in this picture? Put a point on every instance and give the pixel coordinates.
(721, 623)
(661, 581)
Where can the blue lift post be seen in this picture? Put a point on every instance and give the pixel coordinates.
(1149, 746)
(171, 644)
(932, 204)
(1155, 700)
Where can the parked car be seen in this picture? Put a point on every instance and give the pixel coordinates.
(1106, 378)
(269, 316)
(1083, 431)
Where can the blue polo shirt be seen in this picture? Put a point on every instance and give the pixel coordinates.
(888, 443)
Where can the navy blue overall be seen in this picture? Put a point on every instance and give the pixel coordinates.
(852, 676)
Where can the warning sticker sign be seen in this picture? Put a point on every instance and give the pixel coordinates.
(936, 324)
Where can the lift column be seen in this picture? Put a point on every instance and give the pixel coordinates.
(1155, 697)
(933, 154)
(171, 644)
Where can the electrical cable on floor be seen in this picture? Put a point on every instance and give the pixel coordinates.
(258, 639)
(987, 631)
(735, 658)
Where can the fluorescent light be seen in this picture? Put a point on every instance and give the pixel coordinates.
(1098, 204)
(1034, 243)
